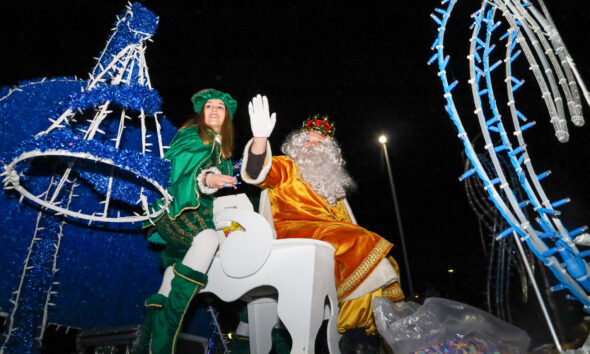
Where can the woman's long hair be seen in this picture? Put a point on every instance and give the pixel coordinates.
(226, 133)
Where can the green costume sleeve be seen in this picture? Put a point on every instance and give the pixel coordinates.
(189, 156)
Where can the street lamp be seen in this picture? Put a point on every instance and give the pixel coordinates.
(383, 142)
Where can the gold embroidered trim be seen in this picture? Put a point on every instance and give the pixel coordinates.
(393, 292)
(189, 279)
(190, 224)
(182, 318)
(361, 271)
(184, 228)
(201, 220)
(153, 305)
(171, 229)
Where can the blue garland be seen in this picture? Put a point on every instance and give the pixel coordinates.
(28, 106)
(142, 166)
(33, 293)
(95, 264)
(134, 97)
(137, 18)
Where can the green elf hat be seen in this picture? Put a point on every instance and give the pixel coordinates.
(205, 95)
(319, 123)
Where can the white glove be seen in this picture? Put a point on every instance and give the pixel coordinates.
(261, 121)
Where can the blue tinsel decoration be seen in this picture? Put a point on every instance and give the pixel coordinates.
(25, 110)
(133, 97)
(142, 166)
(129, 29)
(103, 274)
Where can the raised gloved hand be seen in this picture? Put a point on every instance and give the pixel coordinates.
(261, 121)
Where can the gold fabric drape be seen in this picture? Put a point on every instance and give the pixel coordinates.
(300, 213)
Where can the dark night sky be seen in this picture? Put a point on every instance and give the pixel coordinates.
(364, 63)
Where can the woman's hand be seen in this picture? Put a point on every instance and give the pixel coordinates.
(261, 121)
(220, 181)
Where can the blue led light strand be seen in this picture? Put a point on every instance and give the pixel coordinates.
(553, 240)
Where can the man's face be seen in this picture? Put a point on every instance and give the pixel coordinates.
(314, 139)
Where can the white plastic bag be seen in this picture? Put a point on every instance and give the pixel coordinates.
(445, 325)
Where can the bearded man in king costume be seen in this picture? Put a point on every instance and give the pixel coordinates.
(307, 188)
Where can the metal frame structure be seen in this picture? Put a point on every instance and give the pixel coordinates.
(533, 34)
(116, 69)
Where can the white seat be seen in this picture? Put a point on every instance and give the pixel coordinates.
(301, 271)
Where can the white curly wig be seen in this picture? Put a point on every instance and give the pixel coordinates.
(322, 167)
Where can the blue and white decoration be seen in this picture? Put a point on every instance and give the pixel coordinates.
(532, 218)
(82, 160)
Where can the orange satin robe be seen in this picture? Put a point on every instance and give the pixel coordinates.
(299, 212)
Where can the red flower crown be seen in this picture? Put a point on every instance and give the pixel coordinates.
(319, 123)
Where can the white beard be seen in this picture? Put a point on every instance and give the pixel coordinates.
(322, 167)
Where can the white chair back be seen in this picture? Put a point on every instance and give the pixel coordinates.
(265, 209)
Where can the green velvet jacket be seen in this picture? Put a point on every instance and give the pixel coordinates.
(190, 211)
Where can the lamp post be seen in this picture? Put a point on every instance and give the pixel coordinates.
(383, 141)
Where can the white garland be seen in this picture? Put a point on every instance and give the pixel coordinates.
(11, 183)
(26, 267)
(54, 270)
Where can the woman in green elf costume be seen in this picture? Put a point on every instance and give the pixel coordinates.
(200, 156)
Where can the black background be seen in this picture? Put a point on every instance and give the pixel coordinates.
(363, 63)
